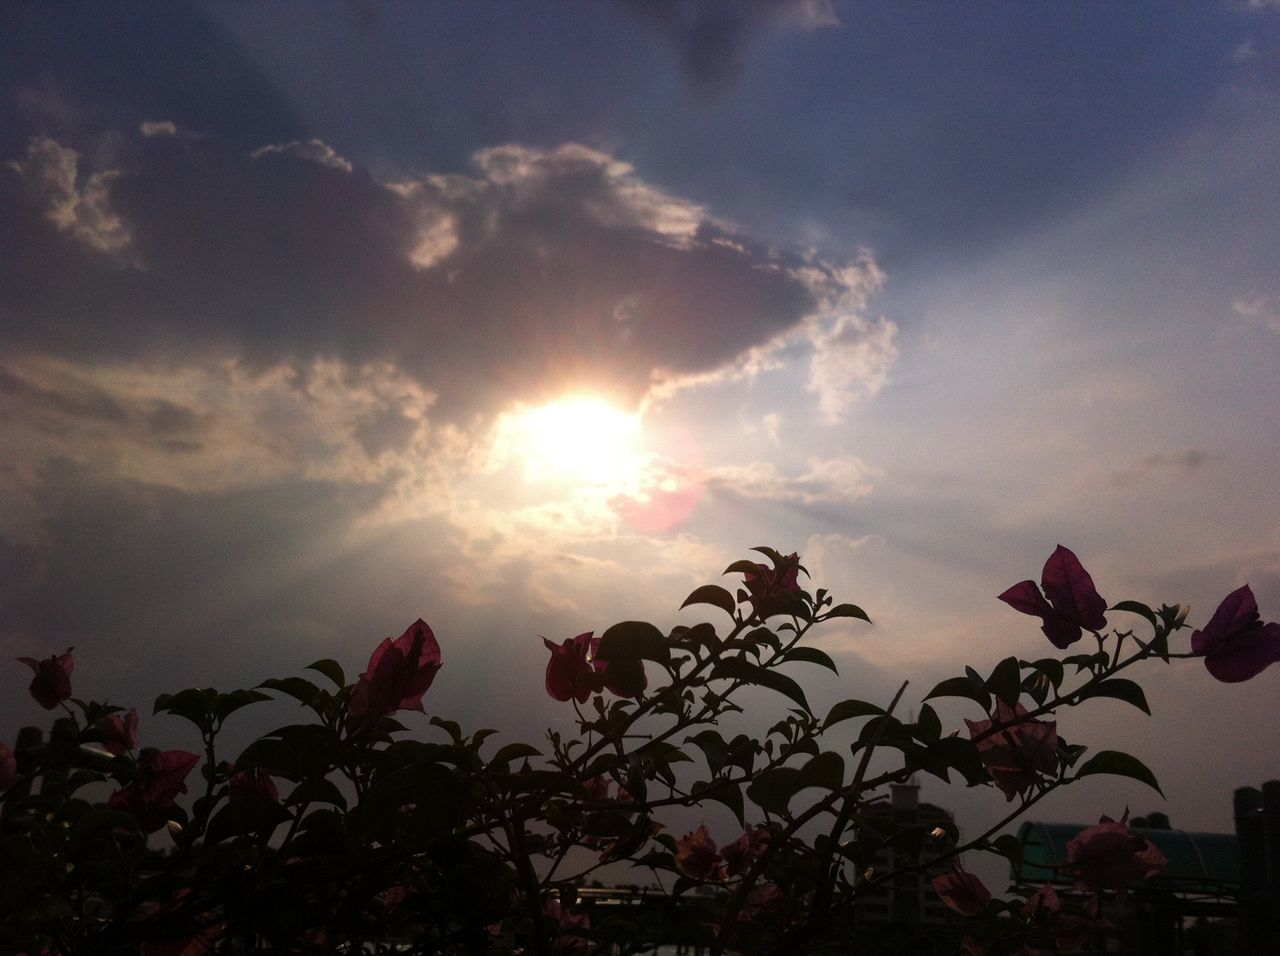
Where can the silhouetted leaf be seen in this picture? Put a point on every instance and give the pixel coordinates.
(330, 669)
(1120, 765)
(1137, 607)
(773, 789)
(962, 687)
(637, 640)
(826, 770)
(298, 688)
(850, 709)
(250, 814)
(1005, 681)
(735, 668)
(811, 655)
(714, 595)
(847, 610)
(1120, 689)
(516, 751)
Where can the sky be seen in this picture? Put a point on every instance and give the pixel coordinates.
(317, 318)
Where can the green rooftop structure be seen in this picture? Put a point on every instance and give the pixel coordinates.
(1200, 864)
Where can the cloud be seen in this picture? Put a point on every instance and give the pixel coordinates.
(840, 480)
(1258, 310)
(541, 271)
(76, 206)
(1180, 462)
(710, 38)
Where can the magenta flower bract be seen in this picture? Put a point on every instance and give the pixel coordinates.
(1018, 756)
(769, 580)
(574, 673)
(1072, 601)
(697, 857)
(254, 782)
(1110, 856)
(399, 673)
(119, 733)
(1236, 645)
(962, 892)
(742, 852)
(52, 683)
(159, 779)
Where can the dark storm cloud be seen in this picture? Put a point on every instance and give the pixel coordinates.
(541, 269)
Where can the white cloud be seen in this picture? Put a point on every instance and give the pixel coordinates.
(1259, 310)
(837, 480)
(81, 208)
(149, 128)
(313, 150)
(851, 361)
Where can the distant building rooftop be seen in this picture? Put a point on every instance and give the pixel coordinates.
(1199, 863)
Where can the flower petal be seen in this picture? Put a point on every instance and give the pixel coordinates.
(1070, 590)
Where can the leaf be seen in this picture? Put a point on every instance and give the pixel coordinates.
(634, 640)
(192, 704)
(773, 789)
(271, 754)
(517, 751)
(227, 704)
(450, 727)
(1005, 681)
(317, 790)
(1120, 689)
(825, 770)
(850, 709)
(744, 566)
(928, 726)
(1137, 607)
(962, 687)
(735, 668)
(95, 821)
(250, 814)
(330, 669)
(1120, 765)
(714, 595)
(811, 655)
(847, 610)
(296, 687)
(713, 748)
(1009, 847)
(962, 755)
(729, 795)
(1051, 668)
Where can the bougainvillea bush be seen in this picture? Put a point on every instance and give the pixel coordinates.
(366, 828)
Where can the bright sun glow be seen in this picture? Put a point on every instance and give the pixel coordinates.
(579, 440)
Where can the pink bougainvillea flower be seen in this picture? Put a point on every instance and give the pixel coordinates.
(767, 580)
(574, 673)
(119, 732)
(962, 892)
(697, 856)
(1072, 604)
(254, 782)
(399, 673)
(569, 926)
(570, 675)
(159, 779)
(52, 683)
(742, 852)
(8, 768)
(1110, 856)
(1236, 645)
(1017, 757)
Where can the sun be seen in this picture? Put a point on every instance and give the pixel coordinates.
(575, 440)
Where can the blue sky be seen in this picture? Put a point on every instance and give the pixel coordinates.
(918, 291)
